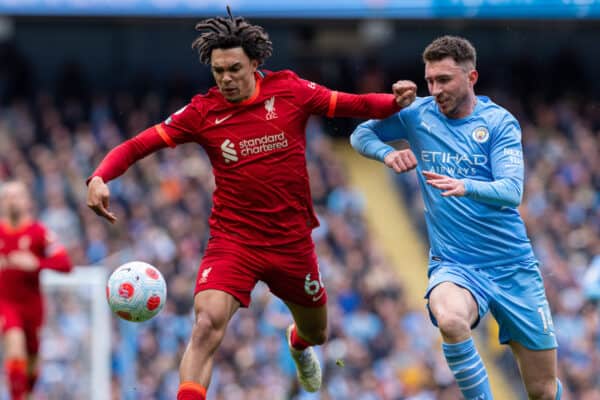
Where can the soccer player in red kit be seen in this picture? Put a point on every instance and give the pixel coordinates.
(26, 248)
(252, 126)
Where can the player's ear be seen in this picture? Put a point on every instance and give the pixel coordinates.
(254, 65)
(473, 77)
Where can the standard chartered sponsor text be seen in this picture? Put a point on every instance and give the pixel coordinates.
(262, 144)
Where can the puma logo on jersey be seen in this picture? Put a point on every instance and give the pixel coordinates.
(229, 153)
(427, 127)
(270, 107)
(219, 120)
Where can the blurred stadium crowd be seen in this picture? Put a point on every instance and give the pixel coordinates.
(379, 348)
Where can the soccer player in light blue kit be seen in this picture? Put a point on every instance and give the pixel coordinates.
(470, 169)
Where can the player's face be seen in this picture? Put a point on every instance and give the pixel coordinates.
(14, 200)
(234, 73)
(452, 85)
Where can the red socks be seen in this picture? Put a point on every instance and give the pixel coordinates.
(191, 391)
(16, 369)
(297, 342)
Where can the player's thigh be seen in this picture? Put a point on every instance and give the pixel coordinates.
(452, 299)
(13, 333)
(538, 367)
(216, 305)
(521, 308)
(33, 320)
(228, 267)
(294, 275)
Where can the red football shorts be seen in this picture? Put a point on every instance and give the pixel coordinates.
(291, 271)
(28, 317)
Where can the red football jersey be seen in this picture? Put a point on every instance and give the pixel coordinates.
(21, 286)
(257, 151)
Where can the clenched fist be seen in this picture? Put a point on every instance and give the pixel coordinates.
(401, 160)
(405, 92)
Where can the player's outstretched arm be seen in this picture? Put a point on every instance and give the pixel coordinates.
(374, 105)
(116, 162)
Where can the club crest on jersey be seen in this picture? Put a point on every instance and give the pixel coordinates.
(204, 277)
(481, 134)
(270, 107)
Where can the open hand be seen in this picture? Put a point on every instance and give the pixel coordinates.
(450, 186)
(98, 199)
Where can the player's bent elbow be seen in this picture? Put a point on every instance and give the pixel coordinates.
(513, 201)
(356, 139)
(515, 194)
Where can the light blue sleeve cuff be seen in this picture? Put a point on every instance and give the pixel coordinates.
(382, 154)
(468, 186)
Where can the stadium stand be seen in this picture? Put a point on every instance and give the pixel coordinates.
(53, 139)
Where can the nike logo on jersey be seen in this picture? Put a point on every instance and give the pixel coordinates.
(219, 120)
(317, 298)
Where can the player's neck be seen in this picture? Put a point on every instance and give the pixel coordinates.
(466, 108)
(16, 220)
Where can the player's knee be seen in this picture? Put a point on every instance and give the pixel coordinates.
(453, 325)
(542, 389)
(205, 332)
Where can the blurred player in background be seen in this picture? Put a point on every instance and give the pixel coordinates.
(26, 248)
(252, 126)
(470, 170)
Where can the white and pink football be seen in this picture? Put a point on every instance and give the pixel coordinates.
(136, 291)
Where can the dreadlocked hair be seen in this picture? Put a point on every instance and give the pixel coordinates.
(226, 33)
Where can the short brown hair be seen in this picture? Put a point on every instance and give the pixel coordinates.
(456, 47)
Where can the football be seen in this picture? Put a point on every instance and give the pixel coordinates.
(136, 291)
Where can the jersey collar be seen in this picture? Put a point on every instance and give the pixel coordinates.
(258, 76)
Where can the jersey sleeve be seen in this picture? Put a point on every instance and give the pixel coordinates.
(180, 126)
(506, 157)
(312, 97)
(320, 100)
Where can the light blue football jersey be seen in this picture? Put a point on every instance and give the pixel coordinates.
(484, 227)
